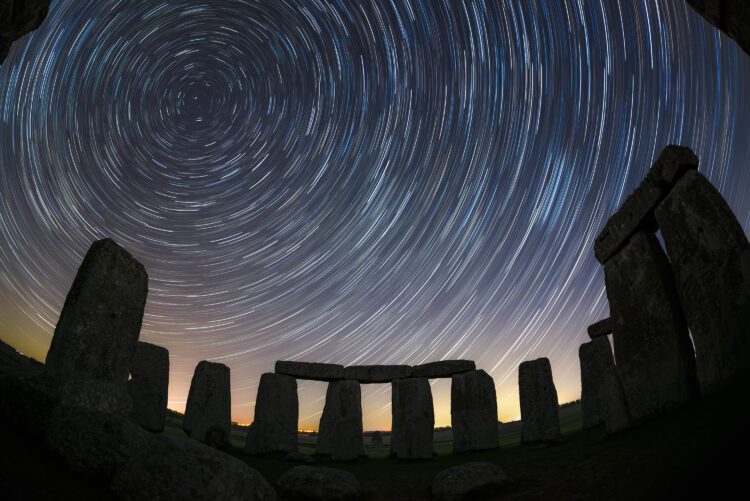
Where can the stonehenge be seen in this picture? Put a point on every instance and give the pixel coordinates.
(208, 408)
(341, 433)
(443, 368)
(601, 328)
(149, 380)
(413, 418)
(376, 373)
(311, 371)
(473, 411)
(540, 416)
(276, 414)
(595, 358)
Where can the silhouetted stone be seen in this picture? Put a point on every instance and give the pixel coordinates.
(376, 439)
(595, 358)
(444, 368)
(94, 442)
(705, 243)
(28, 395)
(376, 373)
(18, 18)
(636, 212)
(413, 418)
(730, 16)
(98, 328)
(310, 370)
(601, 328)
(97, 395)
(468, 481)
(276, 414)
(473, 412)
(318, 484)
(148, 386)
(651, 333)
(299, 457)
(209, 406)
(540, 417)
(177, 468)
(616, 414)
(341, 433)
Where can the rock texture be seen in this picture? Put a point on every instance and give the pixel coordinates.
(469, 481)
(730, 16)
(652, 348)
(96, 394)
(177, 468)
(636, 212)
(595, 358)
(601, 328)
(444, 368)
(310, 370)
(99, 325)
(705, 243)
(376, 373)
(540, 417)
(473, 412)
(341, 432)
(148, 385)
(413, 418)
(18, 18)
(318, 484)
(208, 409)
(616, 413)
(276, 415)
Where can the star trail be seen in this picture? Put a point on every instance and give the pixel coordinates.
(352, 182)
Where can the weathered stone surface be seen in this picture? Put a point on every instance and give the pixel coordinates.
(601, 328)
(413, 418)
(730, 16)
(310, 370)
(28, 395)
(539, 407)
(98, 328)
(341, 433)
(468, 481)
(177, 468)
(473, 412)
(96, 394)
(595, 358)
(17, 19)
(209, 406)
(650, 332)
(636, 212)
(148, 386)
(318, 484)
(705, 243)
(94, 442)
(444, 368)
(276, 414)
(616, 414)
(376, 373)
(299, 457)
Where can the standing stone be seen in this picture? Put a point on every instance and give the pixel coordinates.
(341, 432)
(149, 381)
(705, 244)
(98, 328)
(653, 352)
(540, 417)
(595, 358)
(276, 414)
(473, 412)
(616, 414)
(208, 412)
(377, 439)
(413, 418)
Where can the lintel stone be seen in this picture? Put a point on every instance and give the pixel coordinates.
(310, 370)
(377, 373)
(444, 368)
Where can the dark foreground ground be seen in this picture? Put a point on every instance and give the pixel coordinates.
(700, 452)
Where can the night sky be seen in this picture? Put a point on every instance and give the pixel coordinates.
(352, 182)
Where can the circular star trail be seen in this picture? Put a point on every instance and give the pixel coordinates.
(351, 182)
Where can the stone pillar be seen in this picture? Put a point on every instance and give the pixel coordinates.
(540, 417)
(208, 413)
(652, 348)
(595, 358)
(705, 243)
(98, 328)
(474, 412)
(148, 386)
(413, 418)
(341, 432)
(274, 427)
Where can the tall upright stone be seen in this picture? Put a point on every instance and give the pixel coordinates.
(653, 352)
(98, 328)
(276, 415)
(341, 432)
(540, 416)
(474, 412)
(595, 358)
(148, 386)
(413, 418)
(705, 243)
(208, 412)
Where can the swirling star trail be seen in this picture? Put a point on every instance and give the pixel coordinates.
(352, 182)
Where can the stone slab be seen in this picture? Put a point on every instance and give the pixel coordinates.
(601, 328)
(148, 385)
(367, 374)
(317, 483)
(274, 427)
(98, 328)
(341, 433)
(310, 370)
(595, 358)
(474, 412)
(540, 417)
(413, 418)
(208, 410)
(468, 481)
(443, 368)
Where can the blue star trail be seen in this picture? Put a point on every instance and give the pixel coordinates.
(352, 182)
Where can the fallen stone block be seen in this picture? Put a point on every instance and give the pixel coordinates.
(595, 358)
(148, 386)
(208, 410)
(444, 368)
(540, 416)
(601, 328)
(341, 433)
(318, 484)
(475, 480)
(474, 412)
(310, 370)
(366, 374)
(413, 418)
(274, 427)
